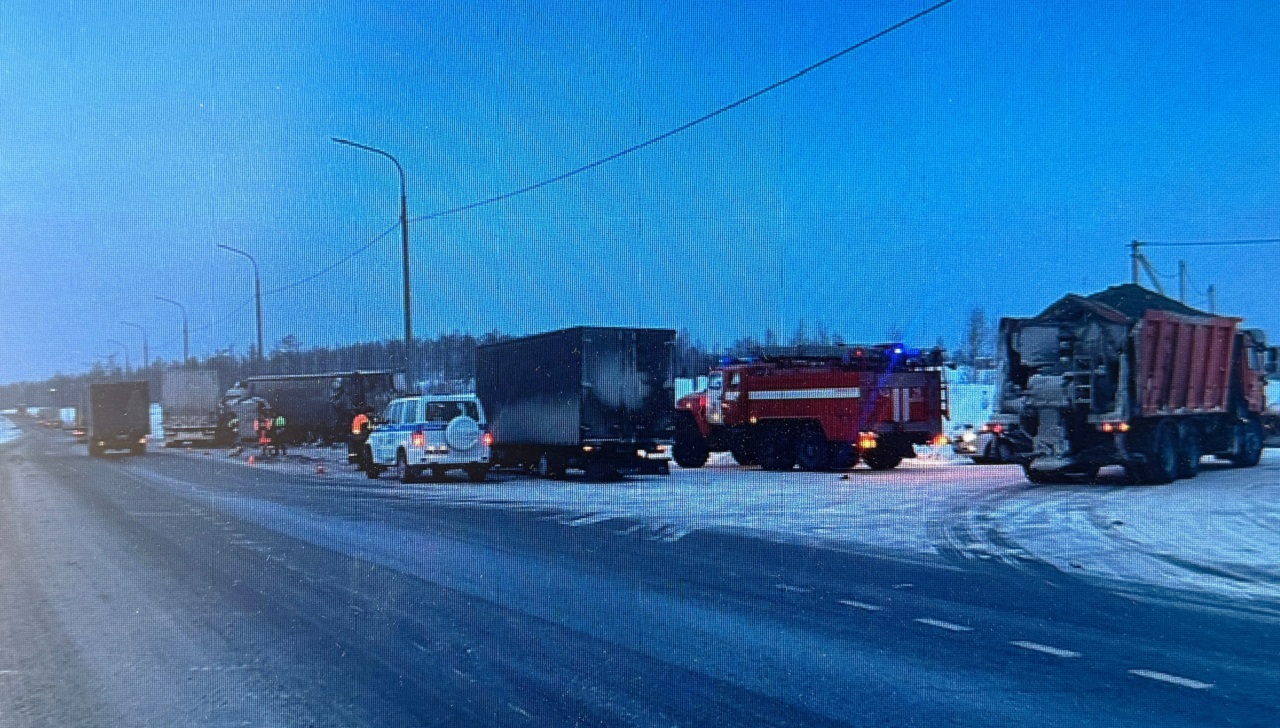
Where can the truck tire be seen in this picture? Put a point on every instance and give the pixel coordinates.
(1190, 450)
(690, 453)
(690, 449)
(1249, 437)
(843, 455)
(882, 458)
(744, 453)
(138, 450)
(1161, 466)
(813, 451)
(477, 473)
(777, 449)
(95, 451)
(1042, 477)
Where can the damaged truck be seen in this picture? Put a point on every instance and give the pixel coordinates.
(1129, 377)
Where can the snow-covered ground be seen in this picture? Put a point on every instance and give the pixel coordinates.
(7, 431)
(1219, 533)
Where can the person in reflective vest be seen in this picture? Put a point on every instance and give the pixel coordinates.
(277, 434)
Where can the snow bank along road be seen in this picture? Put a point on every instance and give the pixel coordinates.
(1215, 536)
(191, 590)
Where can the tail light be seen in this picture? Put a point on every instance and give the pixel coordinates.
(866, 441)
(487, 439)
(940, 440)
(1110, 427)
(419, 439)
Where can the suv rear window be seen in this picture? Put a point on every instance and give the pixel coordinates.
(442, 411)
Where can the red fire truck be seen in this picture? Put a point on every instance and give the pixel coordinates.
(822, 409)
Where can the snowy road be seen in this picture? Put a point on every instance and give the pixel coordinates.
(194, 589)
(1217, 535)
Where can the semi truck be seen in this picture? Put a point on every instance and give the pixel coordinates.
(189, 402)
(316, 407)
(1129, 377)
(596, 399)
(118, 417)
(822, 408)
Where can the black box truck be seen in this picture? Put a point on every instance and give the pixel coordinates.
(596, 399)
(118, 417)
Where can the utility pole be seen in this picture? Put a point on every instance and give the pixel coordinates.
(1213, 299)
(1135, 253)
(409, 372)
(1182, 281)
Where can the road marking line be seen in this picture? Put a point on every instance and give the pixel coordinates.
(793, 589)
(859, 605)
(1037, 647)
(944, 625)
(903, 586)
(1172, 679)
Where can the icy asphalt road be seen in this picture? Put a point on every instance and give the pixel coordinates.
(189, 590)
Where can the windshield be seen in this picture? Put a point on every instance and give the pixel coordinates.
(649, 363)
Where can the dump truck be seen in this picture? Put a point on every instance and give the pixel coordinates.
(189, 402)
(591, 398)
(1129, 377)
(118, 417)
(822, 408)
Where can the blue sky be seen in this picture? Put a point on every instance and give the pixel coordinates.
(994, 153)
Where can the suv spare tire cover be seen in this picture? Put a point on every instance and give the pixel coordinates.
(462, 433)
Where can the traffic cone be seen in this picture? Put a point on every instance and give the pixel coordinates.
(320, 470)
(253, 460)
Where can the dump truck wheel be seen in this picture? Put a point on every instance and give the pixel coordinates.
(1189, 450)
(812, 452)
(1249, 451)
(1162, 455)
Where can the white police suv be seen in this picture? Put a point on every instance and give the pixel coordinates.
(430, 434)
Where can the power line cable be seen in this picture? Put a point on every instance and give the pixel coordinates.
(685, 126)
(598, 162)
(1207, 243)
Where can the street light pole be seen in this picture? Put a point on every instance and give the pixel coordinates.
(404, 235)
(257, 291)
(146, 351)
(186, 339)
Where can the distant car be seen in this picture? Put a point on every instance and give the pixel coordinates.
(994, 443)
(432, 434)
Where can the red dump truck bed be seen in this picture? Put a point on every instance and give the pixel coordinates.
(1183, 363)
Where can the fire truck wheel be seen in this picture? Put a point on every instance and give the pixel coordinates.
(843, 455)
(744, 454)
(691, 449)
(811, 451)
(882, 458)
(777, 449)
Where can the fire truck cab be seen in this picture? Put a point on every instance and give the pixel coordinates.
(822, 409)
